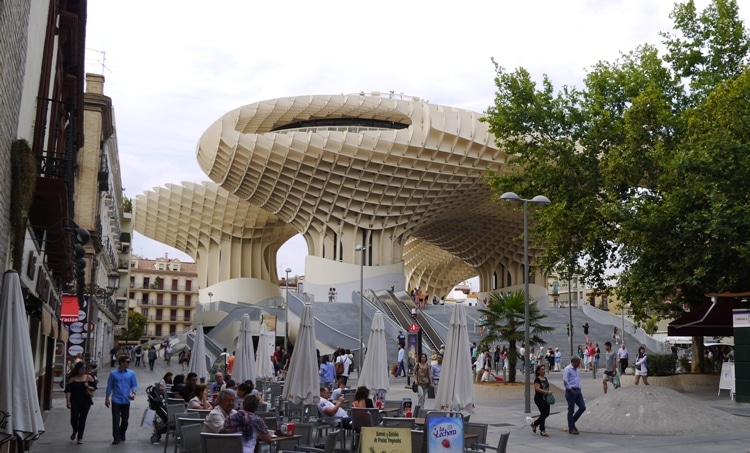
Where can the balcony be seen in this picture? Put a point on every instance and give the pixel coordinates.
(157, 303)
(162, 287)
(167, 318)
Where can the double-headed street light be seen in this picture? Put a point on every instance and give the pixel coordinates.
(361, 248)
(539, 199)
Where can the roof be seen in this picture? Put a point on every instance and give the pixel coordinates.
(712, 319)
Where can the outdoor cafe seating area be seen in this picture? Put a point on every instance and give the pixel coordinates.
(305, 430)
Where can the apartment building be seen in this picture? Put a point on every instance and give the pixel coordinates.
(165, 291)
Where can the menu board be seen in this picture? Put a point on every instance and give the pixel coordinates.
(381, 439)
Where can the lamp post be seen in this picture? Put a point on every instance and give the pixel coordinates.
(361, 248)
(210, 297)
(286, 311)
(539, 199)
(570, 314)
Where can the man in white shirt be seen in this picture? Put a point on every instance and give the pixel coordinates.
(622, 354)
(332, 413)
(215, 419)
(401, 370)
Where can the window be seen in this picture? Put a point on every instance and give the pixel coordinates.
(158, 314)
(158, 330)
(187, 316)
(144, 312)
(188, 285)
(161, 266)
(132, 282)
(176, 267)
(160, 299)
(173, 300)
(146, 281)
(188, 300)
(175, 287)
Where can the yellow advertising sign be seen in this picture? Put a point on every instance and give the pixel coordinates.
(381, 439)
(270, 321)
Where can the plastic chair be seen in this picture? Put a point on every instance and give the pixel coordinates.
(476, 428)
(330, 445)
(225, 443)
(182, 422)
(362, 417)
(417, 441)
(502, 445)
(190, 438)
(172, 411)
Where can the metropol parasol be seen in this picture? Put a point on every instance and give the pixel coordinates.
(396, 175)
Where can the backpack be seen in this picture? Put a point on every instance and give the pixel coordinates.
(339, 367)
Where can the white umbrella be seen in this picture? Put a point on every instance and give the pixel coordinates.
(20, 415)
(302, 384)
(198, 363)
(375, 368)
(264, 367)
(456, 388)
(244, 358)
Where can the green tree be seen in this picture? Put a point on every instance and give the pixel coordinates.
(504, 319)
(134, 329)
(644, 164)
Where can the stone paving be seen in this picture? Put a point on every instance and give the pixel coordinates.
(659, 420)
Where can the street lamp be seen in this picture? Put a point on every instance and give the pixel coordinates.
(539, 199)
(361, 248)
(286, 311)
(210, 297)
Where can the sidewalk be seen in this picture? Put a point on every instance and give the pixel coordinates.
(501, 412)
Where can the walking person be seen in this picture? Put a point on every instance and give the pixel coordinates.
(400, 369)
(78, 390)
(423, 378)
(622, 354)
(586, 331)
(541, 391)
(573, 395)
(611, 368)
(168, 354)
(151, 358)
(641, 366)
(121, 387)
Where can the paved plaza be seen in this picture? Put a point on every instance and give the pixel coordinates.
(500, 407)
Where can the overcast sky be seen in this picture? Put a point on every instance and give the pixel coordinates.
(172, 67)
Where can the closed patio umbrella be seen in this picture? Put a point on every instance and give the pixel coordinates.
(264, 364)
(456, 389)
(20, 416)
(244, 358)
(198, 361)
(375, 367)
(302, 384)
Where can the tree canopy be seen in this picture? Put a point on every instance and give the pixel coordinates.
(645, 163)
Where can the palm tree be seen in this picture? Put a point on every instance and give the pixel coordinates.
(504, 319)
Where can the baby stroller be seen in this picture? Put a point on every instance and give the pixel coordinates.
(156, 403)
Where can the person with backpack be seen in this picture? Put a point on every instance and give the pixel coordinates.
(343, 363)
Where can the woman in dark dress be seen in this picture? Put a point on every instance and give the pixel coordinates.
(78, 400)
(541, 390)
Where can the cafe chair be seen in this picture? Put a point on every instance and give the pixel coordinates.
(502, 445)
(190, 438)
(224, 443)
(362, 417)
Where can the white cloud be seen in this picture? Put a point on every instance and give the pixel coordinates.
(174, 67)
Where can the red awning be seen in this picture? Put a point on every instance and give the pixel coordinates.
(712, 319)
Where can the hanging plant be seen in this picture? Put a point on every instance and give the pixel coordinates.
(22, 186)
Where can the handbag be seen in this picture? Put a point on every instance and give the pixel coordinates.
(148, 418)
(550, 399)
(414, 386)
(90, 391)
(431, 392)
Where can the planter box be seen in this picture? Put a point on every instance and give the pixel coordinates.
(688, 382)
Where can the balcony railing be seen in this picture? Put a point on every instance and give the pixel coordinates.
(154, 287)
(165, 303)
(167, 318)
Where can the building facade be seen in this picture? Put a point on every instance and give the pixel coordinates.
(165, 291)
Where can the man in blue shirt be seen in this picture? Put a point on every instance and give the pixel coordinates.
(121, 387)
(573, 395)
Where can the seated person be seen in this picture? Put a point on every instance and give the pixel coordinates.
(191, 381)
(244, 389)
(362, 398)
(339, 390)
(332, 413)
(200, 398)
(214, 422)
(249, 424)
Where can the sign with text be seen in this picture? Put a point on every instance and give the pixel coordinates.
(381, 439)
(740, 318)
(69, 311)
(444, 434)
